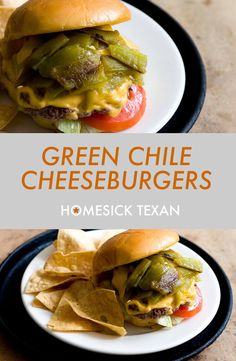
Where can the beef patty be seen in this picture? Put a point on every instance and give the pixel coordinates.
(156, 312)
(55, 113)
(51, 113)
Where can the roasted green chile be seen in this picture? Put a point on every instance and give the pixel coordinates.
(113, 67)
(81, 60)
(46, 50)
(81, 39)
(162, 274)
(108, 37)
(189, 263)
(71, 66)
(138, 273)
(130, 57)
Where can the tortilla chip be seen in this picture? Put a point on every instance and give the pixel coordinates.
(36, 303)
(97, 305)
(75, 263)
(65, 319)
(50, 299)
(77, 240)
(7, 114)
(79, 289)
(119, 280)
(5, 13)
(41, 281)
(74, 240)
(107, 235)
(13, 3)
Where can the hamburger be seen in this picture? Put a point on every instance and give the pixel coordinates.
(155, 285)
(66, 67)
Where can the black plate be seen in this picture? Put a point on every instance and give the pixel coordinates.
(37, 343)
(195, 89)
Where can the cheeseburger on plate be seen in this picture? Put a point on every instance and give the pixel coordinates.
(155, 285)
(65, 66)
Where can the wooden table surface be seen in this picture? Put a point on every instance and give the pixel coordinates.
(220, 244)
(212, 25)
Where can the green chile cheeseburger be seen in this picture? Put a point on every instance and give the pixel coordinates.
(155, 285)
(65, 66)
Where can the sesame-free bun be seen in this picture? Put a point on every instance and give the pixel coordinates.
(48, 16)
(131, 246)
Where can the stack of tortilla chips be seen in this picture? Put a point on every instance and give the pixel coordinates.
(64, 287)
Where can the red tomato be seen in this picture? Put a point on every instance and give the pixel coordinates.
(186, 311)
(129, 115)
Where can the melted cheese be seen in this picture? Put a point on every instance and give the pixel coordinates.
(93, 100)
(171, 301)
(167, 301)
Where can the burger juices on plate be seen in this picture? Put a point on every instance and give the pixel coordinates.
(65, 66)
(155, 285)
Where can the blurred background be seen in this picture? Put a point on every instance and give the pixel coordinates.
(212, 25)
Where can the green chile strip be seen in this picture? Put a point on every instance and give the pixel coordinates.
(71, 66)
(131, 57)
(109, 37)
(84, 40)
(46, 50)
(112, 66)
(189, 263)
(161, 276)
(138, 273)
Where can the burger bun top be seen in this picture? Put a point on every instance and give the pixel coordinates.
(130, 246)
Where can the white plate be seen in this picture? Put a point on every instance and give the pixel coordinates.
(164, 80)
(138, 340)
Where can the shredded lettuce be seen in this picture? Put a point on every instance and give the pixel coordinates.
(75, 126)
(85, 128)
(164, 321)
(176, 320)
(69, 126)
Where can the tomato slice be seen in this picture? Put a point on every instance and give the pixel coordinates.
(128, 117)
(186, 311)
